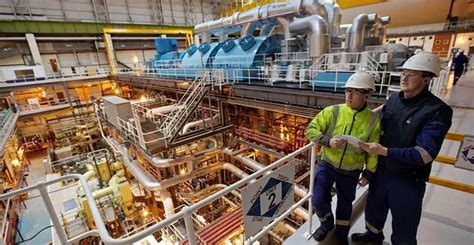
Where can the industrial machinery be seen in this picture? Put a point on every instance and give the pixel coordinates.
(310, 49)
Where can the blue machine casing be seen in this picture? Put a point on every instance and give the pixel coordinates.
(246, 53)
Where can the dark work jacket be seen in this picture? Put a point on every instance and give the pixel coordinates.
(413, 130)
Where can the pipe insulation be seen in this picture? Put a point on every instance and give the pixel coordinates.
(357, 32)
(317, 29)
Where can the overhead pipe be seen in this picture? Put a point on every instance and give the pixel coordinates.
(314, 7)
(382, 32)
(334, 19)
(269, 11)
(357, 32)
(319, 37)
(240, 18)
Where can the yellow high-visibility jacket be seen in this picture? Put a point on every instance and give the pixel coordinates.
(341, 119)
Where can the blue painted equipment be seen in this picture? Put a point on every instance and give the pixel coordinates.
(241, 58)
(327, 79)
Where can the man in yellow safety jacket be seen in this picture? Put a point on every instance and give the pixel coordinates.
(342, 162)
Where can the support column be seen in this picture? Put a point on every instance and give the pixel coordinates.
(109, 48)
(30, 38)
(66, 92)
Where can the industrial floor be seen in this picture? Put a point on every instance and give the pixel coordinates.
(35, 217)
(448, 215)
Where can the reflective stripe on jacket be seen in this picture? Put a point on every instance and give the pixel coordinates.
(341, 119)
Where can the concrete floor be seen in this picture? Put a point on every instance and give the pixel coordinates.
(35, 217)
(448, 215)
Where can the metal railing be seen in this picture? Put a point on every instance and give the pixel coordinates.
(5, 223)
(185, 214)
(185, 106)
(8, 124)
(430, 28)
(51, 76)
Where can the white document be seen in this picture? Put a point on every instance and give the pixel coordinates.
(350, 139)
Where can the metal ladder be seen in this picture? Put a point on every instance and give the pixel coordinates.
(186, 105)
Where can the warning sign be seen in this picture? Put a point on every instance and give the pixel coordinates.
(267, 198)
(466, 154)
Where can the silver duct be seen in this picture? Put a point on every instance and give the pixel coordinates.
(334, 19)
(272, 10)
(313, 7)
(266, 29)
(284, 22)
(319, 38)
(356, 33)
(382, 32)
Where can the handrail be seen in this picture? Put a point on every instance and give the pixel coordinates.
(5, 218)
(185, 213)
(32, 78)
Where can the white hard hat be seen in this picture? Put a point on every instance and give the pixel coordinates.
(423, 61)
(362, 80)
(461, 50)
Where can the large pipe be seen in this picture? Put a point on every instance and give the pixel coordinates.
(382, 32)
(165, 109)
(113, 187)
(167, 200)
(334, 19)
(314, 7)
(266, 30)
(284, 22)
(240, 18)
(357, 32)
(319, 38)
(191, 125)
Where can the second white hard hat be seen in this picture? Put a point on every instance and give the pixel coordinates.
(361, 80)
(423, 61)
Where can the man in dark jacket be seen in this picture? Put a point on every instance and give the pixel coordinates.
(459, 62)
(414, 124)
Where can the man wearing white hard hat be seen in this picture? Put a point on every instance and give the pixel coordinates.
(414, 124)
(343, 163)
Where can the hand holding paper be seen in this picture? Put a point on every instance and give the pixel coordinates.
(350, 139)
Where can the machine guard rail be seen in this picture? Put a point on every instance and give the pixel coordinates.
(186, 213)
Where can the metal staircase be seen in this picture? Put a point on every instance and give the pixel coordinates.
(186, 105)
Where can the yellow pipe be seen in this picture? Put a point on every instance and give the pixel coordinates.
(113, 186)
(109, 50)
(451, 184)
